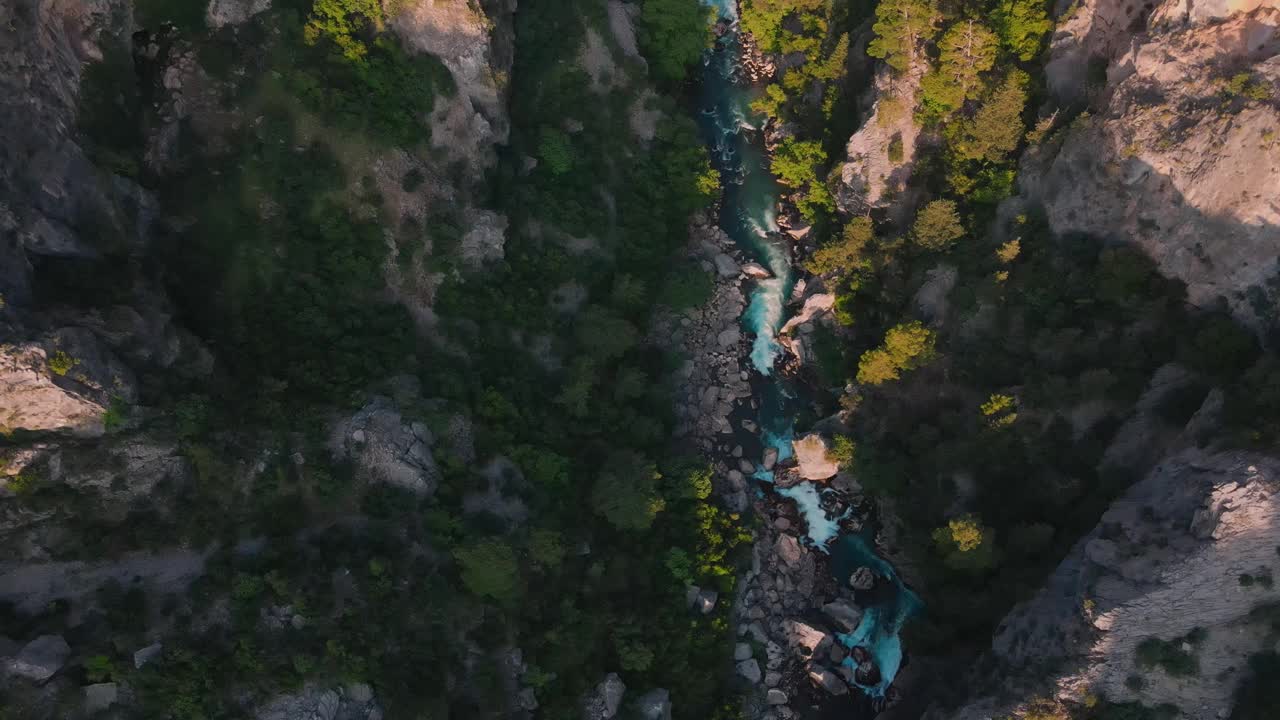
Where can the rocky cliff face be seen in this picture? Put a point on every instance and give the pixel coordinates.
(1182, 156)
(1185, 557)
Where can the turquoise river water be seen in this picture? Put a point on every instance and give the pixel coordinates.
(748, 214)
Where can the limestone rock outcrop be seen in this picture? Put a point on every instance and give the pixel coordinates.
(1184, 160)
(1178, 558)
(880, 155)
(65, 383)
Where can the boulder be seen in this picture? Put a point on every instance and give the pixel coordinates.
(827, 680)
(655, 705)
(233, 12)
(147, 654)
(862, 579)
(100, 696)
(769, 459)
(867, 673)
(729, 337)
(812, 460)
(844, 614)
(604, 702)
(776, 697)
(41, 658)
(749, 669)
(806, 641)
(705, 602)
(742, 651)
(756, 271)
(387, 447)
(788, 550)
(726, 267)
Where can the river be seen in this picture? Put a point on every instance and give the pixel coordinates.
(749, 215)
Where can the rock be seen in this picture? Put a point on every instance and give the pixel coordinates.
(870, 177)
(605, 701)
(805, 640)
(867, 673)
(749, 669)
(64, 383)
(756, 271)
(527, 699)
(788, 550)
(728, 338)
(741, 651)
(706, 601)
(233, 12)
(812, 460)
(746, 467)
(1196, 201)
(100, 696)
(836, 654)
(772, 678)
(844, 614)
(655, 704)
(359, 693)
(770, 458)
(313, 702)
(147, 654)
(827, 680)
(386, 448)
(862, 579)
(782, 524)
(40, 659)
(737, 451)
(726, 267)
(776, 697)
(749, 425)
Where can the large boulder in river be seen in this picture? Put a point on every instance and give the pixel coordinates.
(812, 458)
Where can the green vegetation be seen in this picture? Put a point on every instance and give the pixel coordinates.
(937, 226)
(1259, 695)
(1022, 26)
(674, 33)
(1171, 655)
(797, 163)
(967, 49)
(60, 363)
(489, 569)
(901, 29)
(906, 347)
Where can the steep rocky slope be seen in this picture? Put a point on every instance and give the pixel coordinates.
(1182, 154)
(1186, 557)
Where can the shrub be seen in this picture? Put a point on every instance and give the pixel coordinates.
(905, 347)
(60, 363)
(1169, 655)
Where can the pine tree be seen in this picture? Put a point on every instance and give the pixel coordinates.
(1021, 25)
(901, 27)
(967, 49)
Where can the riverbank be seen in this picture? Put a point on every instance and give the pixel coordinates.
(811, 642)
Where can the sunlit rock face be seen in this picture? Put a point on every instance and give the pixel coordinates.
(1184, 161)
(1181, 557)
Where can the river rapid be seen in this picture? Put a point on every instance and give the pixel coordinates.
(748, 214)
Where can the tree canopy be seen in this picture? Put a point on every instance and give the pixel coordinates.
(673, 34)
(626, 491)
(906, 346)
(937, 225)
(901, 28)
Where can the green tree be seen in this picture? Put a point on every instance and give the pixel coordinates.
(937, 225)
(344, 22)
(673, 34)
(996, 129)
(626, 491)
(846, 255)
(546, 548)
(906, 347)
(603, 335)
(902, 27)
(555, 150)
(1021, 25)
(489, 569)
(967, 49)
(965, 544)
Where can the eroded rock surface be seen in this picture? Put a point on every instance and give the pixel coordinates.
(1166, 559)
